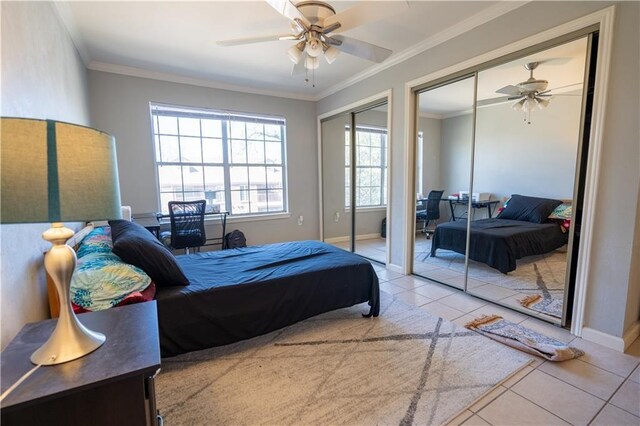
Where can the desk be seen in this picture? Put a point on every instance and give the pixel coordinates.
(162, 218)
(488, 204)
(114, 385)
(151, 223)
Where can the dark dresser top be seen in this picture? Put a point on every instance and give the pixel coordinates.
(132, 348)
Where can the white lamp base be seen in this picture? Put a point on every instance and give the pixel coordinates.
(70, 339)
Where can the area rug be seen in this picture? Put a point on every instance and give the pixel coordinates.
(546, 305)
(523, 338)
(404, 367)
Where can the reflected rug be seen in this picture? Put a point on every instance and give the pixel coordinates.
(404, 367)
(546, 305)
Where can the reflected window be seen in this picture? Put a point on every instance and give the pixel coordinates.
(371, 166)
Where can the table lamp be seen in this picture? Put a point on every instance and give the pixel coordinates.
(54, 172)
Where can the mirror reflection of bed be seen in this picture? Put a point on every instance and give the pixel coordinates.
(513, 171)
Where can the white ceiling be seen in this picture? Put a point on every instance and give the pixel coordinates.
(178, 38)
(561, 66)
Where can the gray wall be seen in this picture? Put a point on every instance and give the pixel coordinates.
(333, 171)
(120, 105)
(456, 154)
(609, 280)
(42, 77)
(537, 159)
(431, 130)
(511, 156)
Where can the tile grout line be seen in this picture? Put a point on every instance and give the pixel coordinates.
(608, 401)
(542, 408)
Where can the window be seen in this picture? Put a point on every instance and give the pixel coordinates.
(235, 161)
(371, 166)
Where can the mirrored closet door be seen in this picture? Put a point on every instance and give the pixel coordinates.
(505, 146)
(443, 172)
(360, 158)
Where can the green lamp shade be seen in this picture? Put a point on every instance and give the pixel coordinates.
(56, 172)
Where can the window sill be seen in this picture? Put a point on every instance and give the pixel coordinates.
(252, 218)
(368, 209)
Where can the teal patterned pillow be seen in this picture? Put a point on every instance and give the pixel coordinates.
(563, 212)
(98, 241)
(102, 280)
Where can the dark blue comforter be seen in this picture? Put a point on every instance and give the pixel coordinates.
(499, 242)
(242, 293)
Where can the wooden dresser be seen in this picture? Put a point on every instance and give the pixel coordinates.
(113, 385)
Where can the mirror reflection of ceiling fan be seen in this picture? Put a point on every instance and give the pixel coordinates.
(315, 26)
(530, 94)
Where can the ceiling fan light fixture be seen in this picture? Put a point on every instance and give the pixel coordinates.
(518, 105)
(330, 54)
(295, 52)
(543, 103)
(529, 104)
(314, 48)
(311, 63)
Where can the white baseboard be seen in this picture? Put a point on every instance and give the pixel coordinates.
(613, 342)
(631, 334)
(395, 268)
(346, 238)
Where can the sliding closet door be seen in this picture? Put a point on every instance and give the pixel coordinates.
(336, 172)
(525, 158)
(370, 190)
(443, 170)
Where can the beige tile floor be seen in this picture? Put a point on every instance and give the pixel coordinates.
(600, 388)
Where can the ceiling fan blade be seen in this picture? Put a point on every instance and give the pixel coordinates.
(250, 40)
(359, 48)
(289, 10)
(487, 102)
(363, 13)
(509, 90)
(511, 98)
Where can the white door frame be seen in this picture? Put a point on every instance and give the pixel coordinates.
(387, 94)
(605, 19)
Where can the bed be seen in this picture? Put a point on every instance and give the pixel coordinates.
(216, 298)
(522, 229)
(242, 293)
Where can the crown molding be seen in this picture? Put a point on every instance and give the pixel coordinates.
(175, 78)
(461, 27)
(424, 114)
(66, 16)
(63, 11)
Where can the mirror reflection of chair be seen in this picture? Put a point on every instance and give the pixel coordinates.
(429, 210)
(187, 224)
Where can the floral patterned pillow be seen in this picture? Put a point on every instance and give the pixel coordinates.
(102, 280)
(98, 241)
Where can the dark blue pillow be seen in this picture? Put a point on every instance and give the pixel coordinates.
(529, 209)
(139, 247)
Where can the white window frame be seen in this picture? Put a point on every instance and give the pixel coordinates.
(226, 117)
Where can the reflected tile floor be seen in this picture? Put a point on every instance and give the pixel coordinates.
(534, 275)
(600, 388)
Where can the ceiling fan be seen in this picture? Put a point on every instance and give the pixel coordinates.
(531, 93)
(315, 26)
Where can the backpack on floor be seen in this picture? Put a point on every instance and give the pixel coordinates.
(235, 239)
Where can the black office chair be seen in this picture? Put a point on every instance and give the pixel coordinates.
(187, 224)
(429, 211)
